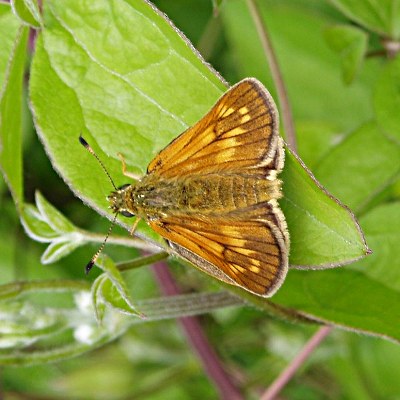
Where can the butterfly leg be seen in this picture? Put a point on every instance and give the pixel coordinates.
(124, 171)
(134, 226)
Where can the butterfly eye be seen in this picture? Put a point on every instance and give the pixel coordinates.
(127, 214)
(124, 186)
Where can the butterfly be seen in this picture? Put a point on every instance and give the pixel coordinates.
(213, 192)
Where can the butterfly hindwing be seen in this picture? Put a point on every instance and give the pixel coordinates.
(246, 248)
(238, 135)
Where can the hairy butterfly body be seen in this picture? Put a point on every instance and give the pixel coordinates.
(213, 192)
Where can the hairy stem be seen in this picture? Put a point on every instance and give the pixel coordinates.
(198, 340)
(286, 111)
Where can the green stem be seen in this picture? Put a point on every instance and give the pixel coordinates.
(287, 117)
(15, 289)
(139, 262)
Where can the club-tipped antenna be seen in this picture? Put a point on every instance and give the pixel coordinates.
(87, 146)
(90, 264)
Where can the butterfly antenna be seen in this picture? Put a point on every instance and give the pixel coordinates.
(90, 264)
(87, 146)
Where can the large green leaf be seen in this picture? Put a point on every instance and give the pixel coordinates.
(76, 87)
(361, 166)
(11, 102)
(364, 296)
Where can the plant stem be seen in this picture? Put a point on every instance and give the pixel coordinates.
(127, 241)
(276, 74)
(198, 340)
(288, 123)
(296, 363)
(139, 262)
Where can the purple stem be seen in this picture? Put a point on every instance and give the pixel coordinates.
(296, 363)
(198, 340)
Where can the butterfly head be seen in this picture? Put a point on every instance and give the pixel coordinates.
(119, 201)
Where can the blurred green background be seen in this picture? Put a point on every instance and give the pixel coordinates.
(154, 361)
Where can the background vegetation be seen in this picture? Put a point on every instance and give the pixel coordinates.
(340, 66)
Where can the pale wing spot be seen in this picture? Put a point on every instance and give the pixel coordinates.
(225, 111)
(256, 263)
(226, 155)
(248, 253)
(233, 231)
(240, 243)
(254, 269)
(234, 132)
(245, 118)
(243, 110)
(239, 268)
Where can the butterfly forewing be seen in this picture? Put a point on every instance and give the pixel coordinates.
(238, 135)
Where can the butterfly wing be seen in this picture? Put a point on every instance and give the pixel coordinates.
(246, 249)
(238, 135)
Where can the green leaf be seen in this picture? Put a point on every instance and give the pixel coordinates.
(382, 17)
(117, 299)
(29, 333)
(387, 99)
(345, 298)
(97, 299)
(317, 139)
(364, 296)
(351, 44)
(28, 12)
(22, 325)
(72, 58)
(382, 226)
(112, 290)
(360, 167)
(323, 233)
(315, 88)
(9, 26)
(46, 224)
(60, 248)
(35, 226)
(52, 216)
(69, 64)
(11, 116)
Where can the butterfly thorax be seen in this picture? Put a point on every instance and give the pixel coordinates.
(154, 197)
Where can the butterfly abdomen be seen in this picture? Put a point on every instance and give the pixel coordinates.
(152, 198)
(213, 193)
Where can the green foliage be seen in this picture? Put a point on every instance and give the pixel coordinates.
(28, 11)
(124, 77)
(11, 111)
(387, 100)
(382, 17)
(351, 44)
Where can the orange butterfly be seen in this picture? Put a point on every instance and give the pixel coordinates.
(212, 192)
